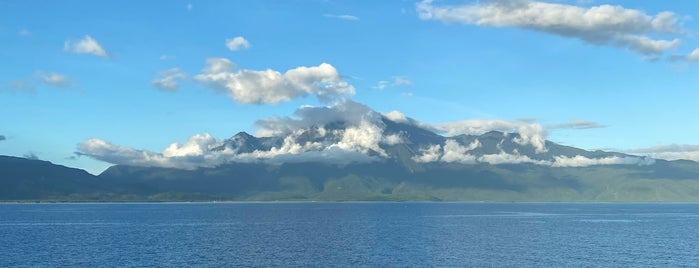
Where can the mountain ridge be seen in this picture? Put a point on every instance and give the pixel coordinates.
(385, 159)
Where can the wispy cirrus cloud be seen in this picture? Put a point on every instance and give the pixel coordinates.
(25, 32)
(342, 17)
(86, 45)
(394, 82)
(604, 25)
(53, 79)
(577, 124)
(694, 56)
(168, 80)
(19, 85)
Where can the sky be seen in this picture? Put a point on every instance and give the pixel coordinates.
(610, 75)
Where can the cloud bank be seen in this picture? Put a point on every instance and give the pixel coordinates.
(357, 141)
(604, 25)
(271, 86)
(670, 152)
(529, 133)
(87, 45)
(342, 133)
(452, 152)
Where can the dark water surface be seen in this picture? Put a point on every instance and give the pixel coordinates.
(349, 234)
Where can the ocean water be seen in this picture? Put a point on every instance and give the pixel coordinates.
(310, 234)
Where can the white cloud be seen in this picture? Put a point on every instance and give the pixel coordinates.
(455, 152)
(168, 80)
(396, 116)
(429, 154)
(167, 57)
(237, 43)
(407, 94)
(393, 139)
(529, 133)
(342, 17)
(670, 152)
(577, 124)
(505, 158)
(270, 86)
(694, 56)
(53, 78)
(397, 81)
(189, 7)
(581, 161)
(599, 25)
(25, 32)
(87, 45)
(197, 145)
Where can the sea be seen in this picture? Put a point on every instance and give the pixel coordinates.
(349, 234)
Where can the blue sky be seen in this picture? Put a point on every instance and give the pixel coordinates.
(75, 70)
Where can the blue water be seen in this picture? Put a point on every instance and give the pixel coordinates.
(349, 234)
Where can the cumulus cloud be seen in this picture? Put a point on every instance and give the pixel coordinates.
(237, 43)
(670, 152)
(577, 124)
(455, 152)
(606, 25)
(393, 139)
(342, 17)
(429, 154)
(168, 80)
(87, 45)
(397, 81)
(270, 86)
(529, 133)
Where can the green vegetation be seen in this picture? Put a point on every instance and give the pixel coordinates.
(31, 180)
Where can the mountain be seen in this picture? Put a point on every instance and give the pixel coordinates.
(34, 179)
(420, 165)
(389, 159)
